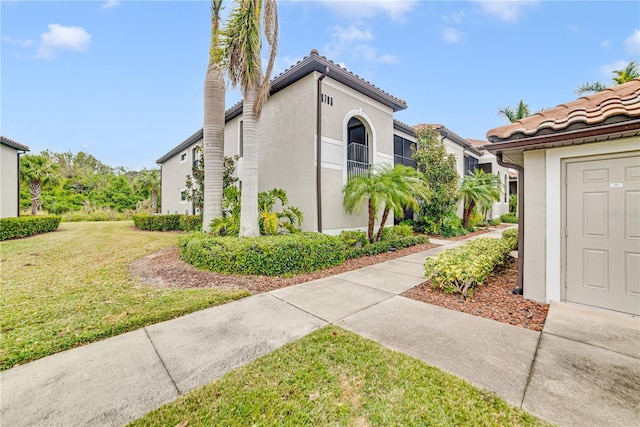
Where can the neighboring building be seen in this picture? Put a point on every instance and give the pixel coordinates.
(581, 194)
(10, 176)
(357, 131)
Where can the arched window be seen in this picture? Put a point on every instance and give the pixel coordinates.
(358, 155)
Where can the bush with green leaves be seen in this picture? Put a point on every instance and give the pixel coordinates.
(509, 218)
(177, 222)
(494, 222)
(280, 255)
(511, 236)
(398, 242)
(397, 231)
(353, 238)
(459, 269)
(25, 226)
(513, 203)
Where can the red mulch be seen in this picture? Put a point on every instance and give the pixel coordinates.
(493, 300)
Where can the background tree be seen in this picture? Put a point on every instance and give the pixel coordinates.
(147, 183)
(36, 171)
(213, 129)
(628, 73)
(441, 174)
(514, 114)
(386, 188)
(243, 48)
(479, 189)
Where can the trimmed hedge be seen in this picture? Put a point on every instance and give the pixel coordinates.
(280, 255)
(511, 235)
(25, 226)
(385, 245)
(459, 269)
(509, 218)
(167, 222)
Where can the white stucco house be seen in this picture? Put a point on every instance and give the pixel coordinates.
(581, 199)
(355, 121)
(10, 151)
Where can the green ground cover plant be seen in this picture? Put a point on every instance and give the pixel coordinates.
(509, 218)
(171, 222)
(68, 288)
(25, 226)
(335, 377)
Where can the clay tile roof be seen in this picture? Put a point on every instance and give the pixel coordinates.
(593, 109)
(477, 143)
(13, 144)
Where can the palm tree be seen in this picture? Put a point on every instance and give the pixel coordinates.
(385, 187)
(147, 182)
(515, 114)
(628, 73)
(243, 46)
(37, 171)
(213, 129)
(479, 189)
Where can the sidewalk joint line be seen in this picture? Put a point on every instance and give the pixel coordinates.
(162, 362)
(533, 363)
(592, 345)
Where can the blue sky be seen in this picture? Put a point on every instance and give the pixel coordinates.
(122, 80)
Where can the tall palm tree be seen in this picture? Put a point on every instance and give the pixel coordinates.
(37, 171)
(514, 114)
(213, 129)
(479, 189)
(147, 182)
(243, 46)
(385, 187)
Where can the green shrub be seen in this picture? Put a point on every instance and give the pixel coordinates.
(397, 242)
(494, 222)
(353, 238)
(513, 203)
(157, 222)
(96, 214)
(190, 222)
(459, 269)
(511, 236)
(509, 218)
(280, 255)
(400, 230)
(451, 226)
(25, 226)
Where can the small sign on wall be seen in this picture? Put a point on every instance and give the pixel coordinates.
(616, 185)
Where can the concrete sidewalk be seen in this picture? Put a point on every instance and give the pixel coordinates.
(583, 369)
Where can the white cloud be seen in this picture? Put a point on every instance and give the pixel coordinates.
(110, 4)
(508, 11)
(19, 42)
(451, 35)
(60, 37)
(605, 44)
(396, 10)
(607, 69)
(351, 41)
(457, 17)
(632, 43)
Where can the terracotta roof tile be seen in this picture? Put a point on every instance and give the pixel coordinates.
(13, 144)
(593, 109)
(477, 143)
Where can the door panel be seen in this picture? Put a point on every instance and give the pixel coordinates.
(603, 233)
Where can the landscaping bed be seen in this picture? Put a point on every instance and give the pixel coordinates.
(472, 234)
(493, 300)
(166, 268)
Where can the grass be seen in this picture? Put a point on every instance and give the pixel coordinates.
(334, 377)
(73, 286)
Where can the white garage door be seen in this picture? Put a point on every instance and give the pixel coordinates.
(603, 233)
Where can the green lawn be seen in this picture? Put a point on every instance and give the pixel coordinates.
(73, 286)
(334, 377)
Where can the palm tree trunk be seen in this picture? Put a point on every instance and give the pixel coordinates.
(154, 200)
(467, 214)
(35, 189)
(213, 142)
(372, 217)
(251, 138)
(385, 215)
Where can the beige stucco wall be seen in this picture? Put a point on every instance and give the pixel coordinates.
(534, 278)
(174, 174)
(8, 182)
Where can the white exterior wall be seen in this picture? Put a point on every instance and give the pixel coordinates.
(8, 182)
(458, 151)
(174, 178)
(501, 207)
(543, 268)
